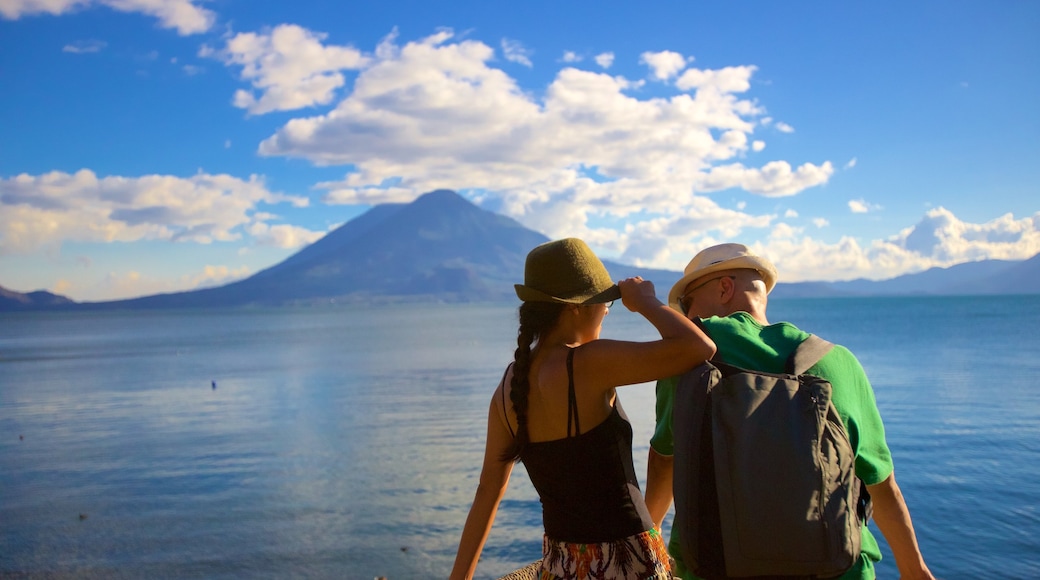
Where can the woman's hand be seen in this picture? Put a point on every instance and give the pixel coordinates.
(637, 293)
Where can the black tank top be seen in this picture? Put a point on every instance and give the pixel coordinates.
(587, 482)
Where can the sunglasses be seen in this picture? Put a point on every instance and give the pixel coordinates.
(685, 306)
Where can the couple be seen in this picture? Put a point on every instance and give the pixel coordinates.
(597, 524)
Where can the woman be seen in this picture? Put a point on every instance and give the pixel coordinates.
(557, 411)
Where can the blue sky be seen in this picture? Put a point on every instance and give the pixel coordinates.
(151, 146)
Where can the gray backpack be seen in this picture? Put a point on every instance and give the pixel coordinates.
(764, 473)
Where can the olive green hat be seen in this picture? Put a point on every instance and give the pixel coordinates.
(566, 271)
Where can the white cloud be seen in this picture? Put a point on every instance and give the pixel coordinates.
(289, 67)
(663, 65)
(435, 113)
(784, 127)
(862, 206)
(83, 46)
(45, 210)
(514, 51)
(851, 163)
(185, 16)
(757, 146)
(605, 60)
(790, 214)
(820, 222)
(774, 179)
(948, 240)
(571, 56)
(732, 79)
(938, 240)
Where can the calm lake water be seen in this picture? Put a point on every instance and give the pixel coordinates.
(346, 442)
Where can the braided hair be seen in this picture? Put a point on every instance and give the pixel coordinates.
(536, 319)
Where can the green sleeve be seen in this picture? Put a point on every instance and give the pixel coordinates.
(662, 440)
(854, 399)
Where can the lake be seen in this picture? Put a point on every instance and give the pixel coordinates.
(345, 442)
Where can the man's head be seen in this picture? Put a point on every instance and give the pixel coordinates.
(723, 279)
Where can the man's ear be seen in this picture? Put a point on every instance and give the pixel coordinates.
(727, 288)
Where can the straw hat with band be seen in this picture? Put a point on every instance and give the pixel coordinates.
(566, 271)
(719, 258)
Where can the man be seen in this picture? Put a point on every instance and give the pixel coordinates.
(727, 286)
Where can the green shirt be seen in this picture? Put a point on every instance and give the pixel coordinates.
(744, 342)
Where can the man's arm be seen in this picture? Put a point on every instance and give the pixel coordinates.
(659, 471)
(893, 519)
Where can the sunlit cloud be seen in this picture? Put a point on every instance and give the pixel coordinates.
(185, 16)
(288, 66)
(436, 113)
(862, 206)
(940, 239)
(605, 59)
(663, 65)
(45, 210)
(784, 127)
(731, 79)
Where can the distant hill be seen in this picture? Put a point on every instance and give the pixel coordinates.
(11, 300)
(986, 277)
(441, 247)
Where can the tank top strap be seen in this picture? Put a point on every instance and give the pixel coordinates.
(502, 390)
(572, 401)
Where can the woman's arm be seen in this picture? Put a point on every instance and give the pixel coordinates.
(614, 363)
(494, 479)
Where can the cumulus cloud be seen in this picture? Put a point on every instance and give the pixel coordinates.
(185, 16)
(940, 239)
(862, 206)
(948, 240)
(774, 179)
(44, 210)
(571, 56)
(663, 65)
(288, 67)
(605, 59)
(437, 113)
(784, 127)
(732, 79)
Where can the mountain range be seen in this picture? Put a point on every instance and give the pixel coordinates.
(441, 247)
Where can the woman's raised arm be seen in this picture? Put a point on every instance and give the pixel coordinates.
(682, 346)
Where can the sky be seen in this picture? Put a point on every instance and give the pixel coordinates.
(152, 146)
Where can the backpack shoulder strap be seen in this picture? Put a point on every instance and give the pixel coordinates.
(808, 353)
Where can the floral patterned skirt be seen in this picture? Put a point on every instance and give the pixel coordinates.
(639, 557)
